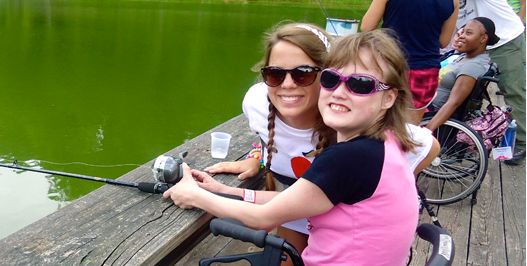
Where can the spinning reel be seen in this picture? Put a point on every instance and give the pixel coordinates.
(168, 169)
(167, 172)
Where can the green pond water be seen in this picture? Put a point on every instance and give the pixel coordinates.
(113, 84)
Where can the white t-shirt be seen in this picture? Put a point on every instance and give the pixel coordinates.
(292, 144)
(508, 24)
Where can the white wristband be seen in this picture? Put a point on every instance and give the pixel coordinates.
(249, 195)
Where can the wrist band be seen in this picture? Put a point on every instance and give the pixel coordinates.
(249, 195)
(257, 157)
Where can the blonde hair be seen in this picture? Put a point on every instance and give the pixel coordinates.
(310, 39)
(384, 47)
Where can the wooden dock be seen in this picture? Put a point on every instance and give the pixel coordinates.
(116, 225)
(123, 226)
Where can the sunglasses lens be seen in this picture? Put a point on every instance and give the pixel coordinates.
(273, 76)
(329, 80)
(304, 75)
(361, 85)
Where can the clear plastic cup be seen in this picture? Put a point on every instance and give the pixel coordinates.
(219, 145)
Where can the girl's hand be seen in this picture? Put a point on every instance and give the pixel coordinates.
(246, 168)
(182, 193)
(208, 183)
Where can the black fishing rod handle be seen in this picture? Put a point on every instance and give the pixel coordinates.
(235, 229)
(154, 188)
(158, 188)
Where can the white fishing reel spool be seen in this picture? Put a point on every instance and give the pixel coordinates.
(167, 169)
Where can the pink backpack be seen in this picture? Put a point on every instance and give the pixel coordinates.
(491, 127)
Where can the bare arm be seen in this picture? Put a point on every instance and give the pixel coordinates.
(373, 16)
(286, 206)
(522, 10)
(246, 168)
(208, 183)
(462, 88)
(449, 26)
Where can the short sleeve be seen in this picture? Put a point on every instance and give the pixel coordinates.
(423, 137)
(348, 172)
(256, 107)
(474, 68)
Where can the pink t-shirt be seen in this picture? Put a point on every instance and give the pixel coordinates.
(375, 215)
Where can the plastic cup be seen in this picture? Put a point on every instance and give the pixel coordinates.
(219, 146)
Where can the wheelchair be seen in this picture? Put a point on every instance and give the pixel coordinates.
(460, 168)
(274, 246)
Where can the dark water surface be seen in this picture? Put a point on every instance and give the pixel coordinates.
(108, 82)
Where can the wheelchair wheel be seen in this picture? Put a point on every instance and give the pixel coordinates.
(459, 168)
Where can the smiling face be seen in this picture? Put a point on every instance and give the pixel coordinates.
(455, 45)
(351, 114)
(474, 39)
(296, 105)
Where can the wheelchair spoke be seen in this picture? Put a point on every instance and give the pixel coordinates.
(459, 168)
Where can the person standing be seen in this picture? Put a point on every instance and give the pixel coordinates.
(509, 54)
(423, 27)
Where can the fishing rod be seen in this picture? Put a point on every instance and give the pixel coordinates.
(327, 17)
(143, 186)
(167, 172)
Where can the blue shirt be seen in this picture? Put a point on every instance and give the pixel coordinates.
(418, 24)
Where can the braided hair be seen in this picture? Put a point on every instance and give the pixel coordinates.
(314, 41)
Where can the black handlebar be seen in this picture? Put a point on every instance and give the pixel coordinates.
(235, 229)
(272, 253)
(443, 246)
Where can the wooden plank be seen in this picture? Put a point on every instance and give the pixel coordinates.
(487, 238)
(513, 187)
(513, 182)
(121, 225)
(455, 219)
(210, 247)
(217, 246)
(420, 248)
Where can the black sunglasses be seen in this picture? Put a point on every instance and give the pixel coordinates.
(302, 75)
(358, 84)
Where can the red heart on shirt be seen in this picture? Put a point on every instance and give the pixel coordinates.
(299, 165)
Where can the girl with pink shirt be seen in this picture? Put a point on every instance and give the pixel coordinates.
(359, 194)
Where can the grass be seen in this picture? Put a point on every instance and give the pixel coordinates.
(326, 3)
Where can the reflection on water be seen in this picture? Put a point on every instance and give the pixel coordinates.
(26, 197)
(109, 82)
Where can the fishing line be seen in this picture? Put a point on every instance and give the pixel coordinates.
(327, 17)
(92, 165)
(36, 162)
